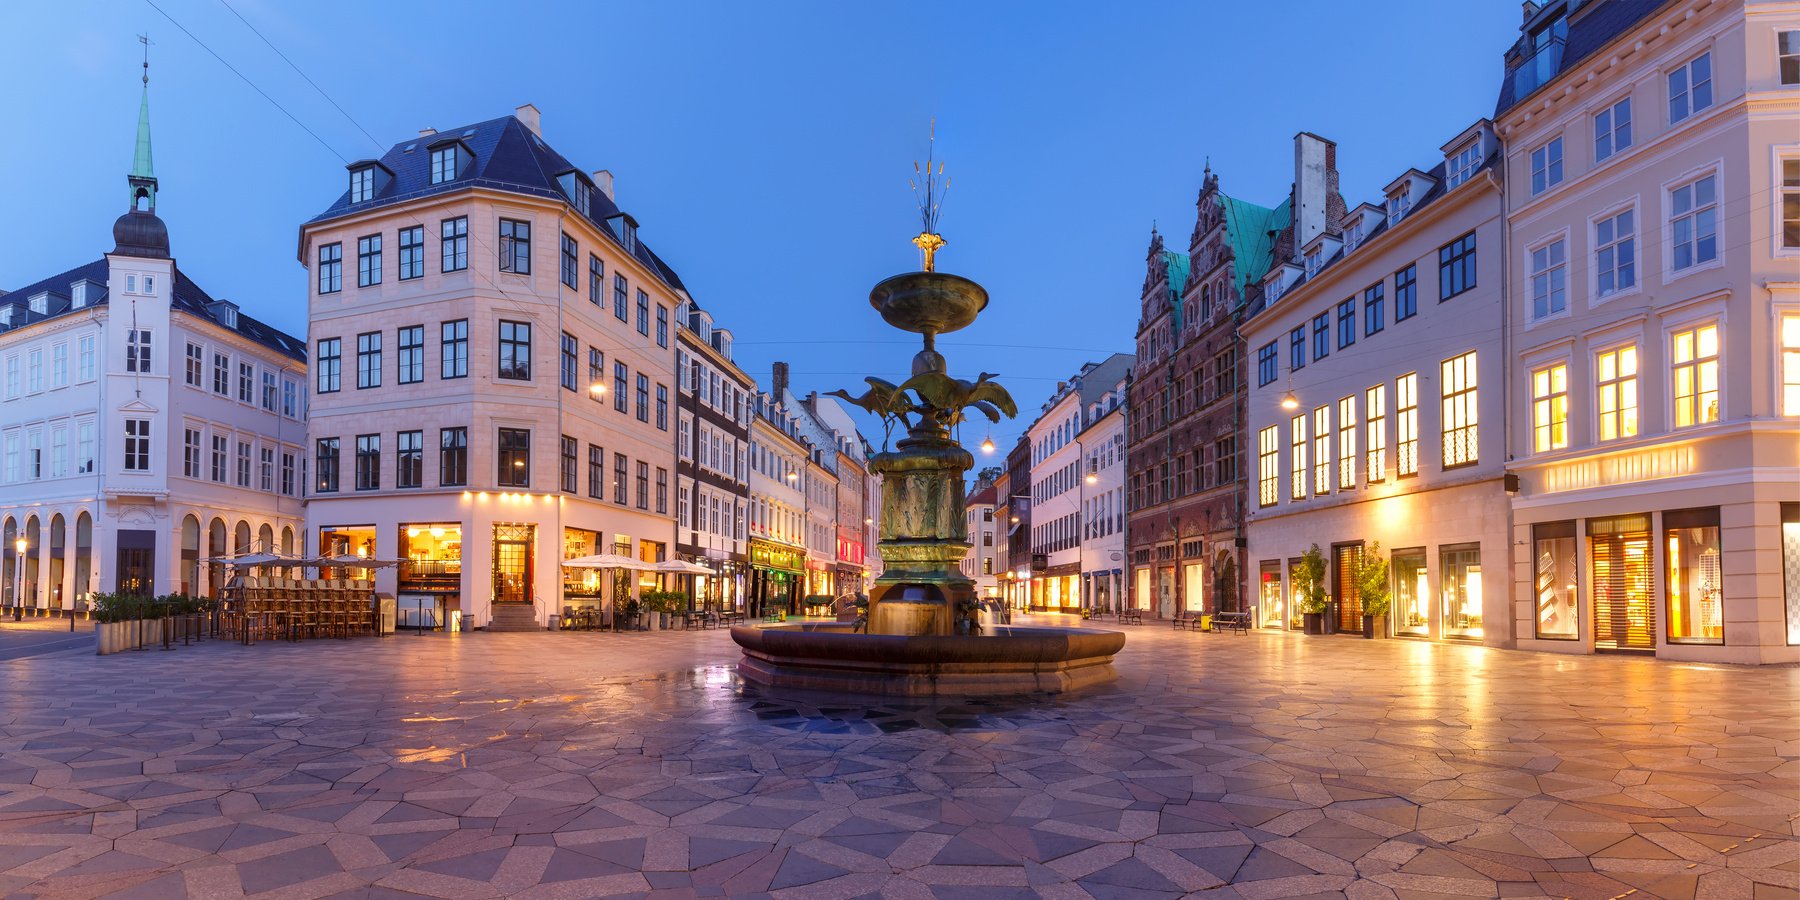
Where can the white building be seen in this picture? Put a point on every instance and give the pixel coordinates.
(982, 563)
(778, 509)
(145, 425)
(1103, 514)
(713, 401)
(1065, 462)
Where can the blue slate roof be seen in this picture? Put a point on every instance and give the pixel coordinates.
(1591, 27)
(506, 156)
(189, 297)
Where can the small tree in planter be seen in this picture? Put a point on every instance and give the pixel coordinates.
(1371, 575)
(628, 608)
(1309, 579)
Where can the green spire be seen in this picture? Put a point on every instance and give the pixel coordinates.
(141, 166)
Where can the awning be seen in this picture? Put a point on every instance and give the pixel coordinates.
(607, 561)
(679, 567)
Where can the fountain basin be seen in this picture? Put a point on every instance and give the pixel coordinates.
(928, 302)
(828, 656)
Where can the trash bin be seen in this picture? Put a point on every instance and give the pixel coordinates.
(555, 622)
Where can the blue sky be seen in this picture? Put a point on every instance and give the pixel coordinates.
(763, 147)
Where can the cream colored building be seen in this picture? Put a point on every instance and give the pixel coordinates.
(495, 367)
(1653, 213)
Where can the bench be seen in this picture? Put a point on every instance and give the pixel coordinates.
(1131, 616)
(702, 619)
(1182, 620)
(1236, 621)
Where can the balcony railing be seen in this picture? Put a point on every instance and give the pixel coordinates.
(1537, 70)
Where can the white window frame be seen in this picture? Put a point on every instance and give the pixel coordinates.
(1636, 379)
(1460, 166)
(1543, 412)
(1670, 364)
(1666, 234)
(1712, 82)
(1632, 205)
(1779, 154)
(1787, 360)
(1544, 243)
(1611, 131)
(1793, 29)
(1551, 167)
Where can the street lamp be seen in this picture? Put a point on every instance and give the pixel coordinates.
(597, 388)
(1290, 402)
(19, 580)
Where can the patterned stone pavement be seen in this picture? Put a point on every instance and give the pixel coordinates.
(576, 765)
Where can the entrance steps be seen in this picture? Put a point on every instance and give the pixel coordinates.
(514, 617)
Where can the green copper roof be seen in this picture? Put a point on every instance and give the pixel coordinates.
(141, 165)
(1251, 230)
(1178, 275)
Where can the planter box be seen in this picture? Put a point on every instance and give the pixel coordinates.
(113, 637)
(1314, 622)
(1374, 627)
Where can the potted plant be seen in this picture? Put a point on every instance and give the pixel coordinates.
(628, 613)
(1309, 581)
(124, 621)
(1371, 575)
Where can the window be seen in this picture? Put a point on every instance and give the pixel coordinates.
(455, 244)
(1347, 444)
(1321, 336)
(643, 397)
(515, 350)
(85, 359)
(620, 310)
(454, 349)
(362, 184)
(1375, 411)
(570, 259)
(1314, 258)
(368, 260)
(409, 459)
(35, 371)
(1694, 375)
(453, 456)
(1612, 129)
(643, 485)
(59, 365)
(1297, 348)
(287, 474)
(662, 407)
(137, 445)
(566, 372)
(1460, 419)
(221, 380)
(1406, 425)
(329, 360)
(566, 469)
(368, 360)
(190, 453)
(621, 401)
(243, 464)
(268, 391)
(1461, 165)
(515, 246)
(1298, 452)
(1616, 393)
(619, 479)
(643, 313)
(444, 164)
(514, 460)
(411, 359)
(290, 398)
(1406, 293)
(1374, 309)
(1267, 364)
(84, 448)
(246, 383)
(368, 462)
(1547, 166)
(1346, 323)
(267, 469)
(1321, 438)
(596, 472)
(1615, 254)
(137, 350)
(1790, 201)
(1549, 280)
(325, 465)
(331, 268)
(1693, 223)
(1224, 462)
(1787, 50)
(1695, 583)
(1268, 466)
(1550, 408)
(412, 252)
(662, 326)
(219, 443)
(1790, 363)
(1398, 201)
(1456, 267)
(596, 278)
(662, 492)
(1690, 88)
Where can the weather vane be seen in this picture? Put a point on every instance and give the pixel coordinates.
(929, 187)
(145, 40)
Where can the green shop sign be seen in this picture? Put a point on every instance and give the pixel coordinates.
(775, 556)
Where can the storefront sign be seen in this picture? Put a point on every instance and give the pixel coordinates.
(775, 556)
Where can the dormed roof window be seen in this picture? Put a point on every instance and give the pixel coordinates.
(368, 179)
(448, 159)
(575, 186)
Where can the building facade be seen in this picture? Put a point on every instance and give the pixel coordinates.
(778, 520)
(147, 426)
(1016, 503)
(1653, 216)
(494, 366)
(1103, 503)
(1185, 407)
(712, 471)
(1062, 480)
(1376, 400)
(981, 565)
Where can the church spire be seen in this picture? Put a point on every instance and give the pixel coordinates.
(143, 168)
(139, 232)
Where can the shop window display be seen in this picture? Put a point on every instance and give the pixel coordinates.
(1411, 615)
(1790, 567)
(1553, 580)
(1268, 595)
(1695, 585)
(1624, 611)
(433, 555)
(1461, 590)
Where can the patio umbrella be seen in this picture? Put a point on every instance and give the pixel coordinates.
(349, 562)
(607, 561)
(255, 559)
(681, 567)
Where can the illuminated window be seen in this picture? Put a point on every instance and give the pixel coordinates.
(1616, 393)
(1550, 408)
(1460, 418)
(1695, 583)
(1347, 444)
(1407, 424)
(1322, 450)
(1375, 407)
(1694, 375)
(1298, 439)
(1268, 466)
(1790, 364)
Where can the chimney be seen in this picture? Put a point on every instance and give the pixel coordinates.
(1315, 181)
(778, 380)
(528, 116)
(427, 132)
(1530, 9)
(603, 180)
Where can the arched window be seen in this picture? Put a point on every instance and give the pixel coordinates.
(58, 561)
(190, 555)
(33, 591)
(10, 557)
(84, 557)
(215, 549)
(287, 540)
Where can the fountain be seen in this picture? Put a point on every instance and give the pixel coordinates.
(921, 634)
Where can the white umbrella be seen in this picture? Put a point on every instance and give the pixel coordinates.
(350, 562)
(607, 561)
(256, 559)
(681, 567)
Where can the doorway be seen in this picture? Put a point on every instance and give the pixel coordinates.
(1624, 610)
(512, 563)
(1344, 593)
(137, 563)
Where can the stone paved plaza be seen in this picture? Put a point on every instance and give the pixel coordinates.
(575, 765)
